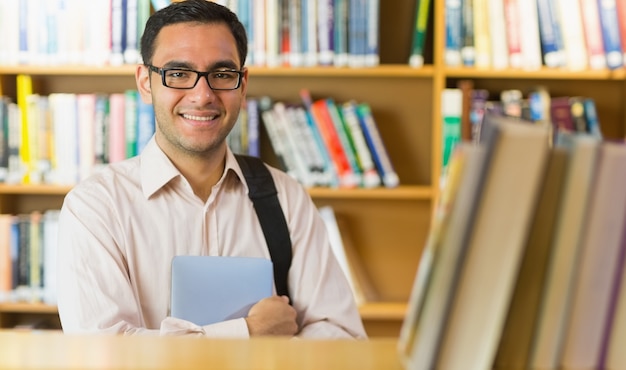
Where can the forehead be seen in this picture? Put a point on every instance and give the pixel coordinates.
(198, 44)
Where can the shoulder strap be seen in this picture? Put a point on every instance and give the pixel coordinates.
(262, 192)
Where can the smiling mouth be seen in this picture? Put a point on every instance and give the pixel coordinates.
(199, 118)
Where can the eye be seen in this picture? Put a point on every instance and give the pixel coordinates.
(223, 75)
(177, 73)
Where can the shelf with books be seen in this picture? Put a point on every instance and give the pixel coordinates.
(388, 225)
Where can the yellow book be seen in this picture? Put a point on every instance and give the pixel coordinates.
(24, 89)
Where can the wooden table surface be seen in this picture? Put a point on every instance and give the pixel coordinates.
(54, 350)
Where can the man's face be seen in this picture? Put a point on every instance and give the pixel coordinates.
(193, 122)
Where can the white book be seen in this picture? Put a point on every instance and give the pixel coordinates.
(497, 32)
(10, 29)
(569, 16)
(325, 32)
(529, 38)
(272, 33)
(86, 109)
(50, 231)
(258, 21)
(131, 50)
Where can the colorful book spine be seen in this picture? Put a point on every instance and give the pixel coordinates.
(468, 54)
(372, 39)
(451, 109)
(593, 34)
(363, 154)
(454, 33)
(550, 34)
(416, 58)
(607, 10)
(377, 146)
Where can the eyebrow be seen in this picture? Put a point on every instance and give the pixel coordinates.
(222, 64)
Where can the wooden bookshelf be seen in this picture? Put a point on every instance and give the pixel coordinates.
(388, 226)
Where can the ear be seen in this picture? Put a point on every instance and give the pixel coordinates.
(142, 79)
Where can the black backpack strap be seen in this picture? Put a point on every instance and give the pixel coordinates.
(262, 192)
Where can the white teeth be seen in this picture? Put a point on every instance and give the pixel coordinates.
(198, 118)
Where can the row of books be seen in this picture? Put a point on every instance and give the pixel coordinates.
(28, 256)
(321, 142)
(528, 34)
(309, 33)
(59, 32)
(524, 263)
(62, 138)
(463, 108)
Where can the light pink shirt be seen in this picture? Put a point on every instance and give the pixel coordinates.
(119, 230)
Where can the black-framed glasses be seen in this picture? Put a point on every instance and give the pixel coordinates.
(180, 78)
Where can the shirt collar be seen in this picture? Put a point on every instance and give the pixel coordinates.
(157, 169)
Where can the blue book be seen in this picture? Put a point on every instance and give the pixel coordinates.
(550, 34)
(607, 10)
(454, 33)
(377, 147)
(211, 289)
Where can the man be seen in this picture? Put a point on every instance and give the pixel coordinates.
(185, 195)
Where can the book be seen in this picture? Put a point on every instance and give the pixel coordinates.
(607, 9)
(517, 334)
(467, 32)
(325, 32)
(599, 258)
(498, 34)
(6, 279)
(354, 130)
(482, 38)
(570, 20)
(593, 34)
(210, 289)
(451, 111)
(436, 278)
(514, 31)
(454, 35)
(517, 154)
(562, 266)
(377, 147)
(467, 87)
(613, 355)
(323, 122)
(529, 39)
(372, 34)
(422, 11)
(550, 34)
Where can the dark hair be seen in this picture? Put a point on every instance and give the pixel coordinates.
(192, 11)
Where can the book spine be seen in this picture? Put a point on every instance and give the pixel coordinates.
(482, 39)
(272, 33)
(364, 156)
(454, 35)
(344, 138)
(498, 34)
(116, 139)
(592, 34)
(86, 110)
(131, 50)
(468, 54)
(512, 20)
(296, 55)
(309, 35)
(607, 10)
(570, 20)
(550, 34)
(340, 33)
(451, 110)
(325, 26)
(372, 38)
(145, 124)
(377, 147)
(130, 122)
(260, 34)
(416, 57)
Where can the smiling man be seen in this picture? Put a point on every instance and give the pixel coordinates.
(185, 194)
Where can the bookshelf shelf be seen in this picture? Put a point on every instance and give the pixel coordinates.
(26, 307)
(543, 73)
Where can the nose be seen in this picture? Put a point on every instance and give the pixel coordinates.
(202, 90)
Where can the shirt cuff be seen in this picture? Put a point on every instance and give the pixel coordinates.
(236, 328)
